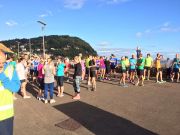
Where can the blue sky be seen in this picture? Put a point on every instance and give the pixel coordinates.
(110, 26)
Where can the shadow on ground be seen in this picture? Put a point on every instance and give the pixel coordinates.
(101, 122)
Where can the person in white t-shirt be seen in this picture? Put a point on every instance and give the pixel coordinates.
(21, 71)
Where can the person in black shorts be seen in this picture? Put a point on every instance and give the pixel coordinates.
(92, 66)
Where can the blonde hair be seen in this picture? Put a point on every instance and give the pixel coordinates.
(2, 56)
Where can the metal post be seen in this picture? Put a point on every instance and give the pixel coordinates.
(30, 48)
(43, 26)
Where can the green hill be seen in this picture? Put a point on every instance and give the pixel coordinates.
(54, 44)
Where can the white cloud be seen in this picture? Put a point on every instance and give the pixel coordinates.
(166, 24)
(74, 4)
(165, 27)
(46, 14)
(104, 44)
(114, 1)
(139, 34)
(11, 23)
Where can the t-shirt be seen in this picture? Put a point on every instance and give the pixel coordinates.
(40, 68)
(158, 63)
(92, 63)
(132, 63)
(141, 63)
(60, 69)
(21, 71)
(113, 61)
(102, 64)
(127, 62)
(148, 62)
(176, 63)
(123, 64)
(35, 64)
(87, 62)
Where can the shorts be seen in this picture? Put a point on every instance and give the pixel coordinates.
(127, 69)
(113, 66)
(35, 73)
(175, 70)
(31, 72)
(102, 67)
(147, 68)
(108, 70)
(132, 70)
(87, 71)
(123, 71)
(140, 72)
(41, 83)
(92, 73)
(60, 81)
(158, 69)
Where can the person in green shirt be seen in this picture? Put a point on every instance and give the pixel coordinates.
(148, 66)
(140, 70)
(122, 65)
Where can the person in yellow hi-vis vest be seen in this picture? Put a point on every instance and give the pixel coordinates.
(9, 82)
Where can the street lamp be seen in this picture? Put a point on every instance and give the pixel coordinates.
(43, 26)
(30, 48)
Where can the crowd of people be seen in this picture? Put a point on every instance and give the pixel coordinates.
(15, 74)
(134, 70)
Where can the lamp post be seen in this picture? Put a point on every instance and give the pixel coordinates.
(30, 48)
(18, 47)
(43, 26)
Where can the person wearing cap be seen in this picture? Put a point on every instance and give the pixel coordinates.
(148, 66)
(9, 83)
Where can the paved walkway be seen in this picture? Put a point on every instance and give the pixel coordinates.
(111, 110)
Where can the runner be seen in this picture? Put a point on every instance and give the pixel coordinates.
(21, 71)
(148, 66)
(113, 64)
(60, 77)
(175, 68)
(140, 70)
(123, 72)
(108, 68)
(88, 70)
(127, 66)
(49, 72)
(132, 70)
(102, 68)
(77, 78)
(168, 66)
(158, 68)
(66, 69)
(40, 79)
(92, 66)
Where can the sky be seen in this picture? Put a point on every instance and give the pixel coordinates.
(109, 26)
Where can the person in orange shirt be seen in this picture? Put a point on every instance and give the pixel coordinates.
(158, 68)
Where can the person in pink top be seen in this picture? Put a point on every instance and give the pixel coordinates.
(66, 69)
(102, 68)
(40, 79)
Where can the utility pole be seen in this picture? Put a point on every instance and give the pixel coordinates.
(43, 26)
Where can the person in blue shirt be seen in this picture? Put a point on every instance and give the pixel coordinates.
(60, 77)
(132, 68)
(113, 64)
(175, 68)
